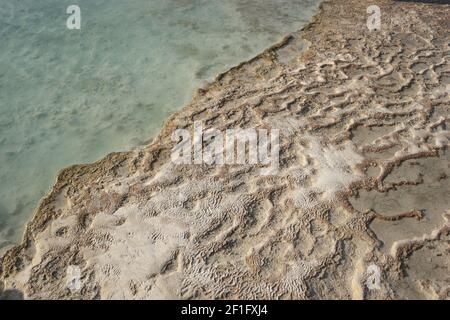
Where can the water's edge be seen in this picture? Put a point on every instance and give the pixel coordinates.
(64, 173)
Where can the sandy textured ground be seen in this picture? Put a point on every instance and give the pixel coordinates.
(363, 181)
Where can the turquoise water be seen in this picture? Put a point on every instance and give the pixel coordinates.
(72, 96)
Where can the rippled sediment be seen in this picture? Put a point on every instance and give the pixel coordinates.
(353, 108)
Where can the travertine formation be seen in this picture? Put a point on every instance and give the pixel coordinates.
(359, 208)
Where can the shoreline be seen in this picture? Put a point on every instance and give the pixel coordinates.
(282, 42)
(131, 179)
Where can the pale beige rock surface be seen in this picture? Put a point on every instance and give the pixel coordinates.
(363, 180)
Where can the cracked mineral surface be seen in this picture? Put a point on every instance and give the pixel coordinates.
(363, 183)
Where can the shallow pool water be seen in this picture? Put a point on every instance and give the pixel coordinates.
(72, 96)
